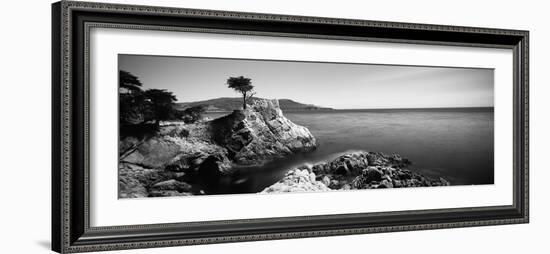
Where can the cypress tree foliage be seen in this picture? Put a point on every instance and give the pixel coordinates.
(243, 86)
(130, 99)
(127, 81)
(159, 105)
(137, 106)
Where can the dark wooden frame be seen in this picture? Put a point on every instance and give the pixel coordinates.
(71, 22)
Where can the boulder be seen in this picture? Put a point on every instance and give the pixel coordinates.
(444, 182)
(297, 181)
(131, 188)
(173, 152)
(168, 193)
(154, 152)
(372, 174)
(404, 175)
(348, 164)
(385, 184)
(326, 180)
(171, 185)
(377, 159)
(360, 182)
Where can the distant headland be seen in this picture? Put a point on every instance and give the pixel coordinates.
(228, 104)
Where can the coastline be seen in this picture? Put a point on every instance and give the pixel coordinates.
(205, 157)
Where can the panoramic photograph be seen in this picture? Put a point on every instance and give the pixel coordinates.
(207, 126)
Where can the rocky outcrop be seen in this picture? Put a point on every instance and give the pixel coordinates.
(297, 180)
(262, 133)
(244, 137)
(362, 170)
(136, 181)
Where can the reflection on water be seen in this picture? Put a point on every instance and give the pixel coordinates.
(454, 144)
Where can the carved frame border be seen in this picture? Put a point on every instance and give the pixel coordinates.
(70, 197)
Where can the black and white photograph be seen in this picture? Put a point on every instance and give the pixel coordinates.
(205, 126)
(271, 127)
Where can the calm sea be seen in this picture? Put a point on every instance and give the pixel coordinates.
(456, 144)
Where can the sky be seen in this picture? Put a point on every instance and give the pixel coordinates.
(334, 85)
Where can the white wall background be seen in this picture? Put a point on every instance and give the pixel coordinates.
(25, 113)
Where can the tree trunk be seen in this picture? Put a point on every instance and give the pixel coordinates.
(244, 101)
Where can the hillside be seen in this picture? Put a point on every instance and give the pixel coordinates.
(230, 104)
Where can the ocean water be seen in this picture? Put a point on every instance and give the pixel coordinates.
(456, 144)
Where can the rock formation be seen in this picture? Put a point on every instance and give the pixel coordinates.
(261, 133)
(297, 180)
(150, 166)
(358, 170)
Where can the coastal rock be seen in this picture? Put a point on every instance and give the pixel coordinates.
(372, 174)
(129, 187)
(168, 193)
(261, 133)
(194, 152)
(356, 170)
(385, 184)
(297, 180)
(326, 180)
(348, 164)
(172, 185)
(138, 182)
(134, 180)
(169, 188)
(444, 182)
(176, 153)
(180, 151)
(245, 137)
(370, 170)
(154, 152)
(381, 159)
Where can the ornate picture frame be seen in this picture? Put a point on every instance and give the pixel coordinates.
(71, 24)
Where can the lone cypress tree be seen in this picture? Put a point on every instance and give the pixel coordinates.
(242, 85)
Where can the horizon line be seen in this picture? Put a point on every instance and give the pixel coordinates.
(414, 108)
(330, 108)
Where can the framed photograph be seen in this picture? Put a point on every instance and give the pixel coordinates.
(182, 126)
